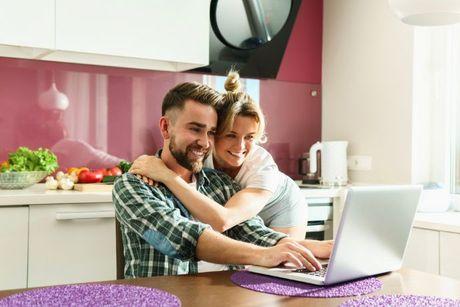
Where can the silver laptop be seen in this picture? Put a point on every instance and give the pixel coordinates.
(371, 238)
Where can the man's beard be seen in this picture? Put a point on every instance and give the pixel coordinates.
(182, 156)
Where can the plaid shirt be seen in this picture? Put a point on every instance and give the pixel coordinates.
(158, 232)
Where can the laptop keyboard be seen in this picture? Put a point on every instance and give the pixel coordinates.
(320, 273)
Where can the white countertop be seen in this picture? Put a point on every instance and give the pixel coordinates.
(442, 221)
(37, 194)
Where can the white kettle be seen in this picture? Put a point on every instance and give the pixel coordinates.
(333, 162)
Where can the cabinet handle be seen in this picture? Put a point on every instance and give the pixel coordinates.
(61, 216)
(316, 228)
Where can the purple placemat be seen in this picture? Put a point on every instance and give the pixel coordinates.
(92, 295)
(402, 300)
(279, 286)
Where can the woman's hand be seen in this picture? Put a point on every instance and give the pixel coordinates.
(151, 169)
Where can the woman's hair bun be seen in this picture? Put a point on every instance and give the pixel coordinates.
(232, 83)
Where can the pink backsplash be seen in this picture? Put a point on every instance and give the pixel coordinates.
(113, 112)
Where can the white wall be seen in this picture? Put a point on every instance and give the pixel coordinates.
(367, 86)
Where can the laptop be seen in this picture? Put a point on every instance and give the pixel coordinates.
(371, 238)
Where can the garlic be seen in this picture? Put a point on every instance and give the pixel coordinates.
(66, 183)
(51, 183)
(73, 176)
(59, 175)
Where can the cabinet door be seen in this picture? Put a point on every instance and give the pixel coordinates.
(173, 30)
(27, 23)
(422, 252)
(71, 243)
(450, 254)
(13, 246)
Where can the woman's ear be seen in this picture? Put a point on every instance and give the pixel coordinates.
(165, 126)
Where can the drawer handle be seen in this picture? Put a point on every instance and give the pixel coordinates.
(316, 228)
(62, 216)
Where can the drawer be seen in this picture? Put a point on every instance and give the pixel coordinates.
(71, 243)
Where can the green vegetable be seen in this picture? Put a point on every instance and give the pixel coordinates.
(125, 166)
(24, 160)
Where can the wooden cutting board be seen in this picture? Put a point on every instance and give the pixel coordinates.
(93, 187)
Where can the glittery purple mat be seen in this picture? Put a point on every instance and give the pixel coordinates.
(279, 286)
(92, 295)
(402, 300)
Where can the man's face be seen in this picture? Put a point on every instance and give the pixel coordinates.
(192, 134)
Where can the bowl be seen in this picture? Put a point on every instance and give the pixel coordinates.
(20, 180)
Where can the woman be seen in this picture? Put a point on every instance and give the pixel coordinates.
(265, 190)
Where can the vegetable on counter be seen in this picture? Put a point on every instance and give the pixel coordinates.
(125, 166)
(90, 177)
(26, 160)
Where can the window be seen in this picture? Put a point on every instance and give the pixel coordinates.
(436, 117)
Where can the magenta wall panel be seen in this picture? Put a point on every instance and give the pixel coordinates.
(113, 113)
(302, 58)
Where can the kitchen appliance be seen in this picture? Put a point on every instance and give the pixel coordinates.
(333, 162)
(304, 168)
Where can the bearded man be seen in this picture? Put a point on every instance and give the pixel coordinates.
(160, 237)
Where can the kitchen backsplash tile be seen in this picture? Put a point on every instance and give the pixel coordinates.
(113, 113)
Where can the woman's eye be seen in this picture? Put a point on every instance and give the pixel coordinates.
(250, 138)
(230, 136)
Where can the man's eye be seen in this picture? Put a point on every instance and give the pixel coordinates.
(230, 136)
(211, 133)
(195, 129)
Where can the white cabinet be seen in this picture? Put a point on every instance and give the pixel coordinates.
(26, 23)
(422, 252)
(449, 246)
(13, 247)
(170, 35)
(71, 243)
(166, 35)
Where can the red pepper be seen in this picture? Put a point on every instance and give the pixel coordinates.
(90, 177)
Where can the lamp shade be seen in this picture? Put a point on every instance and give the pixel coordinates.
(52, 99)
(427, 12)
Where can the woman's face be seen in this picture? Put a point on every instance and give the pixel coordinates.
(232, 148)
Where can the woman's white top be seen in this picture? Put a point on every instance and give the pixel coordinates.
(286, 207)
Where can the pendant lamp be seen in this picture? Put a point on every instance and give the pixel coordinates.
(53, 99)
(427, 12)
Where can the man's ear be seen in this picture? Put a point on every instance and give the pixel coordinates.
(165, 126)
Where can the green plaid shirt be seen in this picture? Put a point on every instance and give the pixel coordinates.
(158, 232)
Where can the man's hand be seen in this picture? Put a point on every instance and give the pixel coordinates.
(151, 169)
(288, 251)
(320, 249)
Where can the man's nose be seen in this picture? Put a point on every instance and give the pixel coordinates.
(204, 140)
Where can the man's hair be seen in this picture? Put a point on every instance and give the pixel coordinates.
(176, 97)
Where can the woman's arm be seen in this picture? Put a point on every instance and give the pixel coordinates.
(240, 207)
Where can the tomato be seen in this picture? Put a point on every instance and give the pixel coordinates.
(116, 171)
(86, 176)
(102, 171)
(76, 170)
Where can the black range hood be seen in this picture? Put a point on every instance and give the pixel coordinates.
(260, 54)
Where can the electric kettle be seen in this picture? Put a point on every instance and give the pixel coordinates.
(333, 162)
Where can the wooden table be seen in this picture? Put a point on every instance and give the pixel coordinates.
(216, 289)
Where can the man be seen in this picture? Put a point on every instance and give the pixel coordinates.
(160, 237)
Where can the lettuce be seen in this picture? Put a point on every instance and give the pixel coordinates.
(24, 160)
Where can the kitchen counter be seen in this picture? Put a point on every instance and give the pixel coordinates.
(441, 221)
(37, 194)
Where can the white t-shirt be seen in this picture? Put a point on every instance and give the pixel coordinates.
(286, 207)
(259, 170)
(204, 266)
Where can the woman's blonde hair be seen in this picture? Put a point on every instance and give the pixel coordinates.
(237, 103)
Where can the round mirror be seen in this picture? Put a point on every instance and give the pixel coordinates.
(248, 24)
